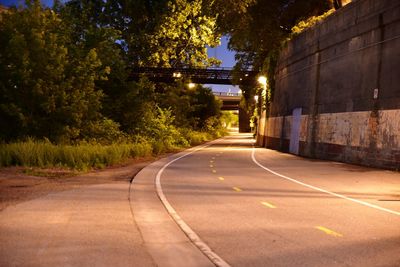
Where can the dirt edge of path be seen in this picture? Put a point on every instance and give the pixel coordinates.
(20, 184)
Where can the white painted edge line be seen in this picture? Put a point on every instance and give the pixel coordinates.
(194, 238)
(320, 189)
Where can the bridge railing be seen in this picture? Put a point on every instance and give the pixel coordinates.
(196, 75)
(226, 94)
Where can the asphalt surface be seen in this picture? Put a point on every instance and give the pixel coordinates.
(285, 210)
(90, 226)
(237, 205)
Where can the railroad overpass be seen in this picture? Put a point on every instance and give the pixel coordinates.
(230, 101)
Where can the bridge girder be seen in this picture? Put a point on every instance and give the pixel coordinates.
(195, 75)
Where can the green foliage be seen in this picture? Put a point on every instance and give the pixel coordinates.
(47, 85)
(64, 78)
(164, 134)
(104, 131)
(83, 157)
(228, 12)
(183, 33)
(205, 107)
(195, 137)
(134, 106)
(309, 22)
(265, 24)
(257, 29)
(229, 119)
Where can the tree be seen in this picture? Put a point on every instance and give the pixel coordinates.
(94, 25)
(182, 35)
(257, 29)
(265, 24)
(139, 32)
(206, 109)
(47, 83)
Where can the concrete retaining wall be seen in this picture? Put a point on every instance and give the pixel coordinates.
(344, 74)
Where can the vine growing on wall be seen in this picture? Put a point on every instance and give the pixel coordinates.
(303, 25)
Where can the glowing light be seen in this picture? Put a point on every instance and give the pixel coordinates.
(177, 75)
(256, 98)
(191, 85)
(262, 80)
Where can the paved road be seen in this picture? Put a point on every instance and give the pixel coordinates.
(258, 207)
(90, 226)
(242, 206)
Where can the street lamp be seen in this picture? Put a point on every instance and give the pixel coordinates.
(191, 85)
(176, 74)
(262, 80)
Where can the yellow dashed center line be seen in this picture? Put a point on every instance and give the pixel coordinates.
(213, 158)
(237, 189)
(221, 178)
(328, 231)
(269, 205)
(214, 171)
(211, 161)
(211, 166)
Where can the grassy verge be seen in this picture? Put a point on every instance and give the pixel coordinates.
(84, 157)
(81, 157)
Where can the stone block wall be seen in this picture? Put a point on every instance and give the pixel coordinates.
(344, 74)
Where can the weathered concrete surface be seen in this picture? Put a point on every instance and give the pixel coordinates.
(344, 74)
(165, 241)
(92, 226)
(245, 232)
(346, 136)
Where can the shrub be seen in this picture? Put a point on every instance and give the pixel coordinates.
(195, 137)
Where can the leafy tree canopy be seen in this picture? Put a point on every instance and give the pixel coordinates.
(47, 84)
(257, 27)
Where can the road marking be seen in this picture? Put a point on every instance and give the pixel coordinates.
(214, 171)
(211, 161)
(196, 240)
(328, 231)
(237, 189)
(269, 205)
(320, 189)
(211, 166)
(221, 178)
(213, 158)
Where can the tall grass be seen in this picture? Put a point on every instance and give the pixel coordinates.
(44, 154)
(82, 157)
